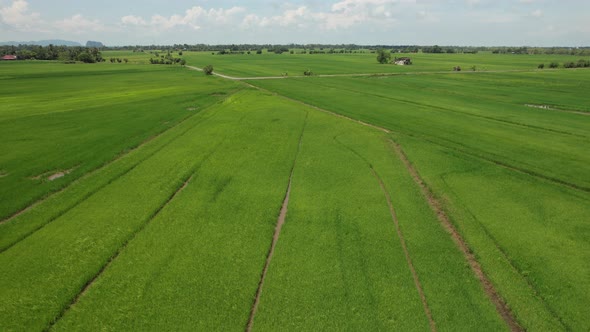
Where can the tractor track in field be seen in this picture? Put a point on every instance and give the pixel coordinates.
(90, 282)
(402, 240)
(279, 226)
(399, 233)
(119, 156)
(437, 207)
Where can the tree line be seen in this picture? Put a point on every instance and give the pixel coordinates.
(53, 52)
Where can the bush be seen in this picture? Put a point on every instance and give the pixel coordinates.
(541, 66)
(208, 70)
(308, 73)
(554, 65)
(569, 65)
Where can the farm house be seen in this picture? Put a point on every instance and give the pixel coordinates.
(404, 61)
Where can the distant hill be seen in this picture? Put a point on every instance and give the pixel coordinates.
(97, 44)
(56, 42)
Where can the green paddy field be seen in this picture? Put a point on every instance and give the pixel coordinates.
(367, 197)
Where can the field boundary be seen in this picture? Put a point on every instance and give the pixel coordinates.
(275, 239)
(90, 282)
(501, 306)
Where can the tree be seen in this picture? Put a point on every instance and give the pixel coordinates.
(86, 57)
(183, 62)
(383, 56)
(553, 65)
(208, 70)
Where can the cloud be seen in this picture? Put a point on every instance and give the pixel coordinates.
(193, 18)
(19, 17)
(79, 24)
(341, 15)
(133, 20)
(537, 13)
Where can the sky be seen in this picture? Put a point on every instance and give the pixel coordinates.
(363, 22)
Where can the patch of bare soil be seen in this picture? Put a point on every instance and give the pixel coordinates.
(437, 206)
(3, 173)
(547, 107)
(406, 252)
(53, 175)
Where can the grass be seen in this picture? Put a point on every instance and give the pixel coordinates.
(56, 117)
(47, 269)
(175, 182)
(197, 265)
(489, 124)
(514, 178)
(339, 262)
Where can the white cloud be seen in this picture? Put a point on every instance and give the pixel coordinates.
(79, 24)
(193, 18)
(18, 16)
(341, 15)
(133, 20)
(537, 13)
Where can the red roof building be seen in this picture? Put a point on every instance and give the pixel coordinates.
(9, 57)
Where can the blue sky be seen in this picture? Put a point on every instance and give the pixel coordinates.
(390, 22)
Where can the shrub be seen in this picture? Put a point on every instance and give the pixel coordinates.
(569, 65)
(541, 66)
(208, 70)
(554, 65)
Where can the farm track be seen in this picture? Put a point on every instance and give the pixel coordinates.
(250, 78)
(279, 226)
(437, 207)
(90, 282)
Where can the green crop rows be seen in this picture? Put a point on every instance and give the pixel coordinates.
(140, 197)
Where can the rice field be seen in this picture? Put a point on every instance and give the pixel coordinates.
(141, 197)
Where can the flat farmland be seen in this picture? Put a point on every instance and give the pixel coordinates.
(271, 64)
(426, 201)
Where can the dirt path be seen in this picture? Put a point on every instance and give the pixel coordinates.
(240, 78)
(275, 238)
(437, 207)
(406, 252)
(549, 108)
(450, 72)
(90, 282)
